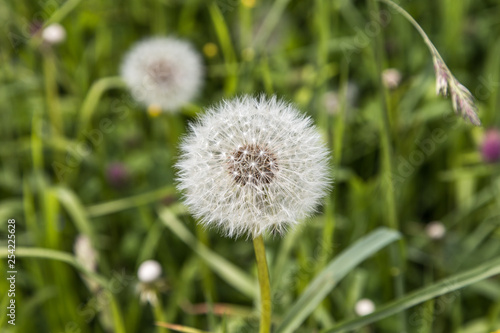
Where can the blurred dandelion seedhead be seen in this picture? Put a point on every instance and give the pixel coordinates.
(435, 230)
(54, 34)
(252, 165)
(391, 78)
(85, 253)
(364, 307)
(150, 282)
(149, 271)
(87, 256)
(165, 72)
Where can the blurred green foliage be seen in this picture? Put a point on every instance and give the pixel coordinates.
(59, 155)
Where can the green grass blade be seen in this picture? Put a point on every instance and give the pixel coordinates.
(338, 268)
(453, 283)
(34, 252)
(76, 210)
(227, 48)
(226, 270)
(130, 202)
(93, 97)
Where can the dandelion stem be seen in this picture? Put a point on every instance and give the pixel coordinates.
(265, 288)
(53, 108)
(159, 314)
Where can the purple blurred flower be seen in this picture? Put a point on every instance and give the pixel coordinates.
(491, 146)
(117, 175)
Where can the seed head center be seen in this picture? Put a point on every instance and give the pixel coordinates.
(160, 72)
(252, 163)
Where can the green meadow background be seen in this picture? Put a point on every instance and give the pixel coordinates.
(401, 159)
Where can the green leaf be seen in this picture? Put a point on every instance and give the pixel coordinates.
(76, 210)
(455, 282)
(33, 252)
(226, 270)
(323, 284)
(110, 207)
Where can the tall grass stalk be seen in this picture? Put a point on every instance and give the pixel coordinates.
(462, 99)
(396, 250)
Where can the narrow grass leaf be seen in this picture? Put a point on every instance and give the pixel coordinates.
(34, 252)
(448, 285)
(76, 210)
(337, 269)
(179, 328)
(114, 206)
(226, 270)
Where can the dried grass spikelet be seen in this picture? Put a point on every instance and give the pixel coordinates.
(446, 83)
(252, 165)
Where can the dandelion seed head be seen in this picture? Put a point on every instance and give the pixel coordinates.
(163, 71)
(54, 34)
(364, 307)
(268, 170)
(391, 78)
(435, 230)
(149, 271)
(85, 253)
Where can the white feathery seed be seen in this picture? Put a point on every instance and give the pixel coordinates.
(251, 165)
(163, 71)
(149, 271)
(85, 253)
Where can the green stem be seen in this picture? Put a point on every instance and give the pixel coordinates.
(159, 314)
(62, 12)
(265, 287)
(54, 112)
(421, 31)
(396, 250)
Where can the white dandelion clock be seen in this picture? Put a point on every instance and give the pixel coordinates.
(163, 72)
(150, 281)
(251, 165)
(435, 230)
(364, 307)
(149, 271)
(54, 34)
